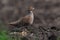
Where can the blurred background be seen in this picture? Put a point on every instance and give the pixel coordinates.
(46, 17)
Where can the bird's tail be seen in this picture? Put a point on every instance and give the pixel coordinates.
(16, 22)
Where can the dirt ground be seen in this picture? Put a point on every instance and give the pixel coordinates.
(46, 24)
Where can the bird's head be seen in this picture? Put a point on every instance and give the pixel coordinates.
(30, 8)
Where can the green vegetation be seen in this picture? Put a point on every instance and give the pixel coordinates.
(58, 38)
(3, 32)
(3, 35)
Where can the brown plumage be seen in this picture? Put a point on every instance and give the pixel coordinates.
(26, 20)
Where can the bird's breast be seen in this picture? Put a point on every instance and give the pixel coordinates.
(31, 18)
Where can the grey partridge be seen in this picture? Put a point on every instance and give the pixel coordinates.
(26, 20)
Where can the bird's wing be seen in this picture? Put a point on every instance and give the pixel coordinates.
(25, 19)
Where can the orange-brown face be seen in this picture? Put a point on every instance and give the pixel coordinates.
(31, 8)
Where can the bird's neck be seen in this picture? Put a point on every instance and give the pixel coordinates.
(30, 12)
